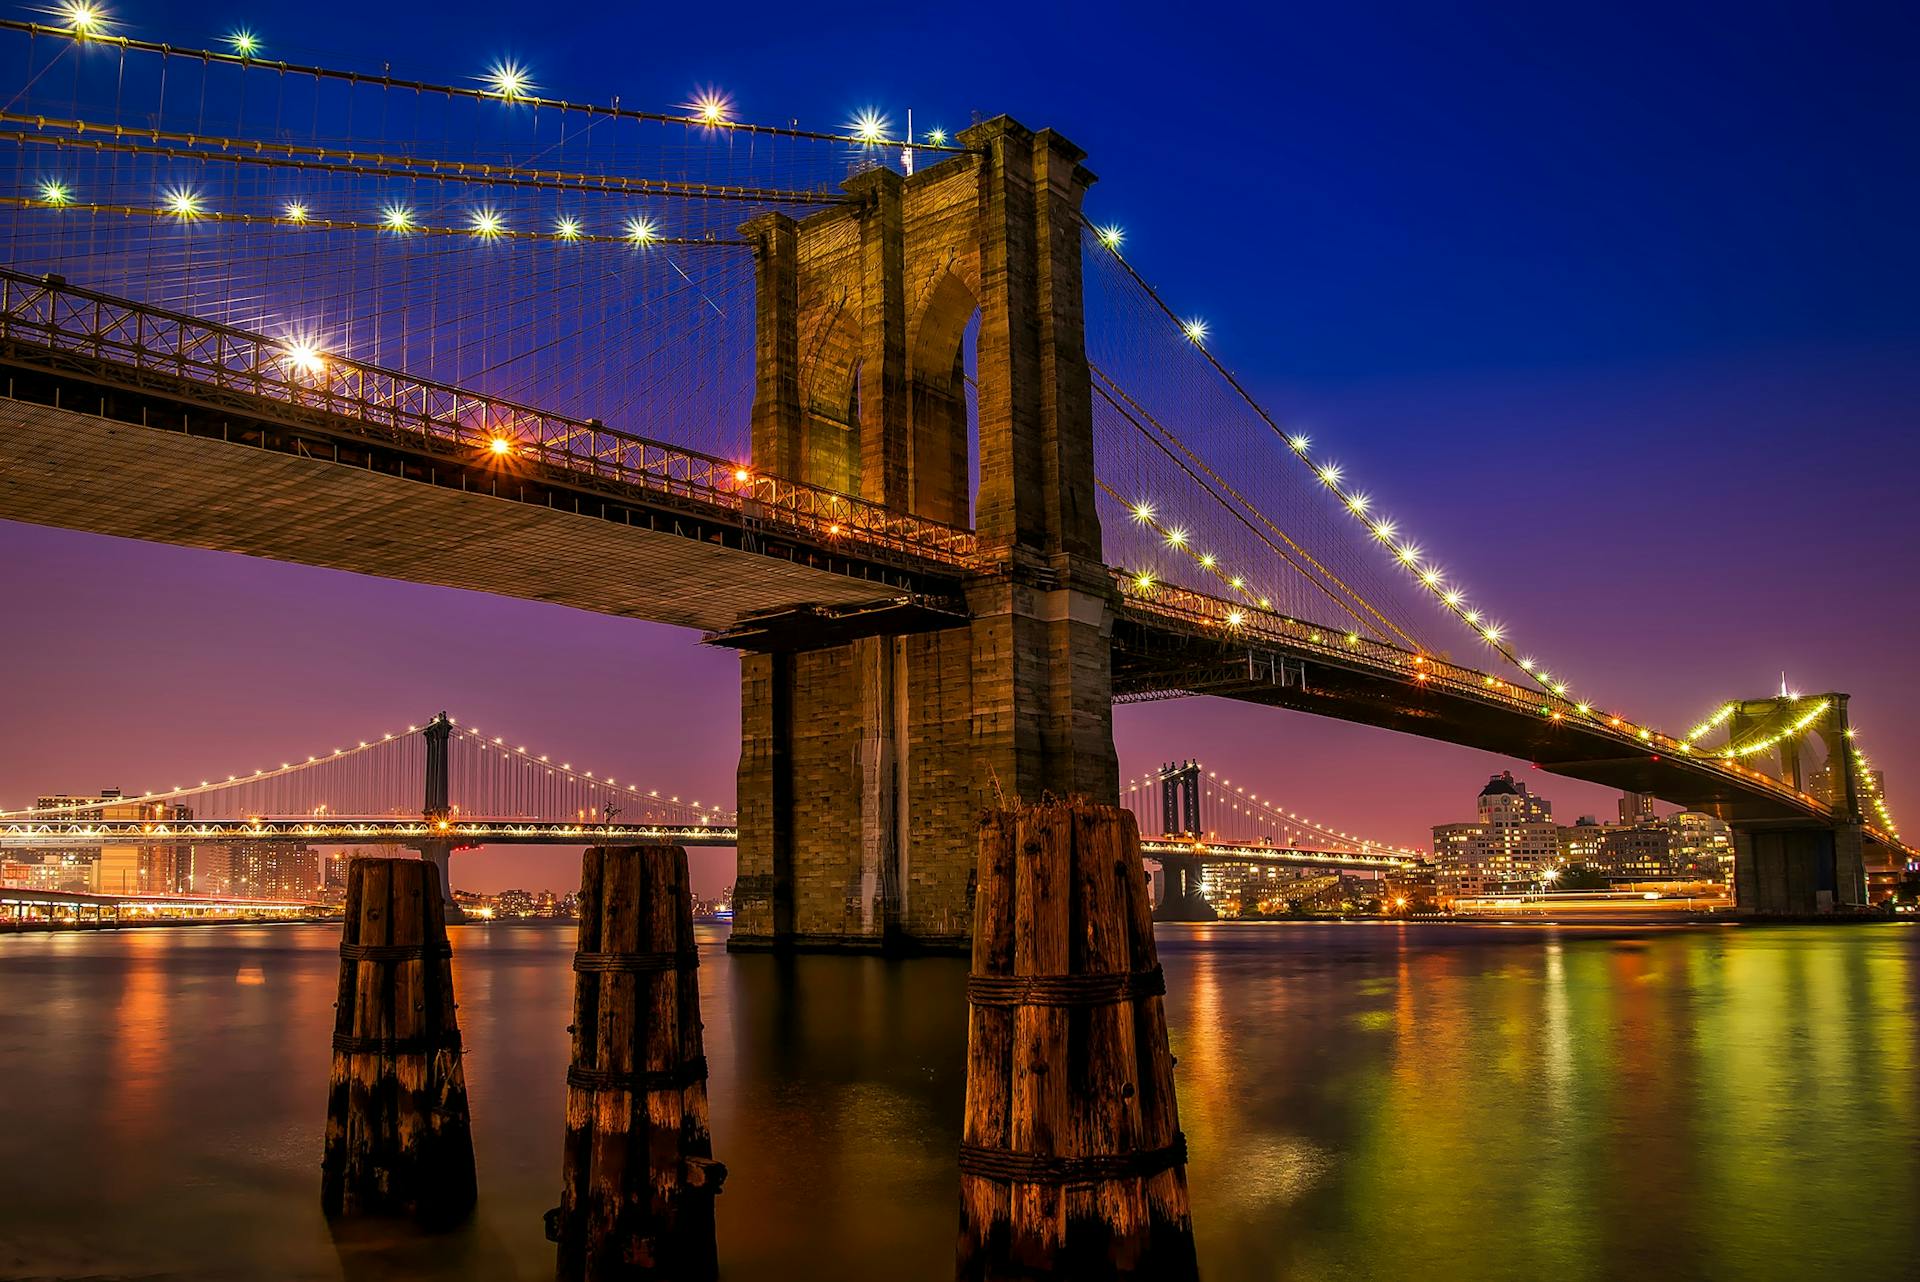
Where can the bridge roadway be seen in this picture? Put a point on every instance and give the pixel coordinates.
(29, 832)
(27, 897)
(134, 421)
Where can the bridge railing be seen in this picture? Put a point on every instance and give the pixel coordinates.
(47, 312)
(1217, 617)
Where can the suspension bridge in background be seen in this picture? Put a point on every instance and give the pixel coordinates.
(442, 787)
(894, 417)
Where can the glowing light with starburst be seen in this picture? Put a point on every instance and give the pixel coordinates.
(84, 19)
(303, 356)
(509, 80)
(711, 107)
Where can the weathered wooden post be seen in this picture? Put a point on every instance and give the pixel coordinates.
(398, 1139)
(639, 1175)
(1072, 1164)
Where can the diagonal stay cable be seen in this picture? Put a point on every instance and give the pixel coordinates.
(1109, 389)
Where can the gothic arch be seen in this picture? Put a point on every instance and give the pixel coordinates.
(938, 451)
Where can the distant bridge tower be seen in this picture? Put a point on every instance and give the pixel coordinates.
(438, 806)
(1182, 897)
(438, 735)
(1180, 799)
(1801, 869)
(863, 761)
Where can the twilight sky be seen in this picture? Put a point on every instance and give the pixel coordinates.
(1612, 307)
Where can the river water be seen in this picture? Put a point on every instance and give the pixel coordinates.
(1369, 1101)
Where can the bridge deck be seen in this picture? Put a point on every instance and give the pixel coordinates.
(1178, 643)
(347, 830)
(205, 439)
(82, 472)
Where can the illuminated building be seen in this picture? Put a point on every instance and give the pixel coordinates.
(1582, 843)
(1642, 852)
(256, 870)
(1508, 848)
(1636, 808)
(1248, 890)
(1701, 846)
(123, 869)
(1685, 847)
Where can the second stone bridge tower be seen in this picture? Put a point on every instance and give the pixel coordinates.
(864, 764)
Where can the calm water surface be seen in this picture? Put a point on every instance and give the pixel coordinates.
(1361, 1101)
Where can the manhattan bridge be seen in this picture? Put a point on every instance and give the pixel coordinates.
(892, 415)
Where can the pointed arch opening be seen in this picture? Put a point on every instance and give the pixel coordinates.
(943, 430)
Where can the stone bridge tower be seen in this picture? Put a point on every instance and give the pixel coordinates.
(864, 764)
(1802, 869)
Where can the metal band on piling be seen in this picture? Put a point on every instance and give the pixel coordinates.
(1065, 990)
(634, 963)
(671, 1079)
(392, 952)
(425, 1044)
(1036, 1168)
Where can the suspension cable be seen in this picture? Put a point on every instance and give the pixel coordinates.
(409, 228)
(1500, 645)
(1109, 388)
(516, 98)
(339, 160)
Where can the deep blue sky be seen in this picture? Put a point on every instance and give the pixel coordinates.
(1613, 306)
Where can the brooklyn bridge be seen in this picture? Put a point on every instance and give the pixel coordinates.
(894, 417)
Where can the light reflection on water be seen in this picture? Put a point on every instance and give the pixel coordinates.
(1362, 1102)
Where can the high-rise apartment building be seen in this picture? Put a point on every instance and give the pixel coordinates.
(1512, 843)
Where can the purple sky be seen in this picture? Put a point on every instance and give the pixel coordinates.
(1612, 310)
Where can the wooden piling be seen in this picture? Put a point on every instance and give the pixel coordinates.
(398, 1139)
(1072, 1164)
(638, 1177)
